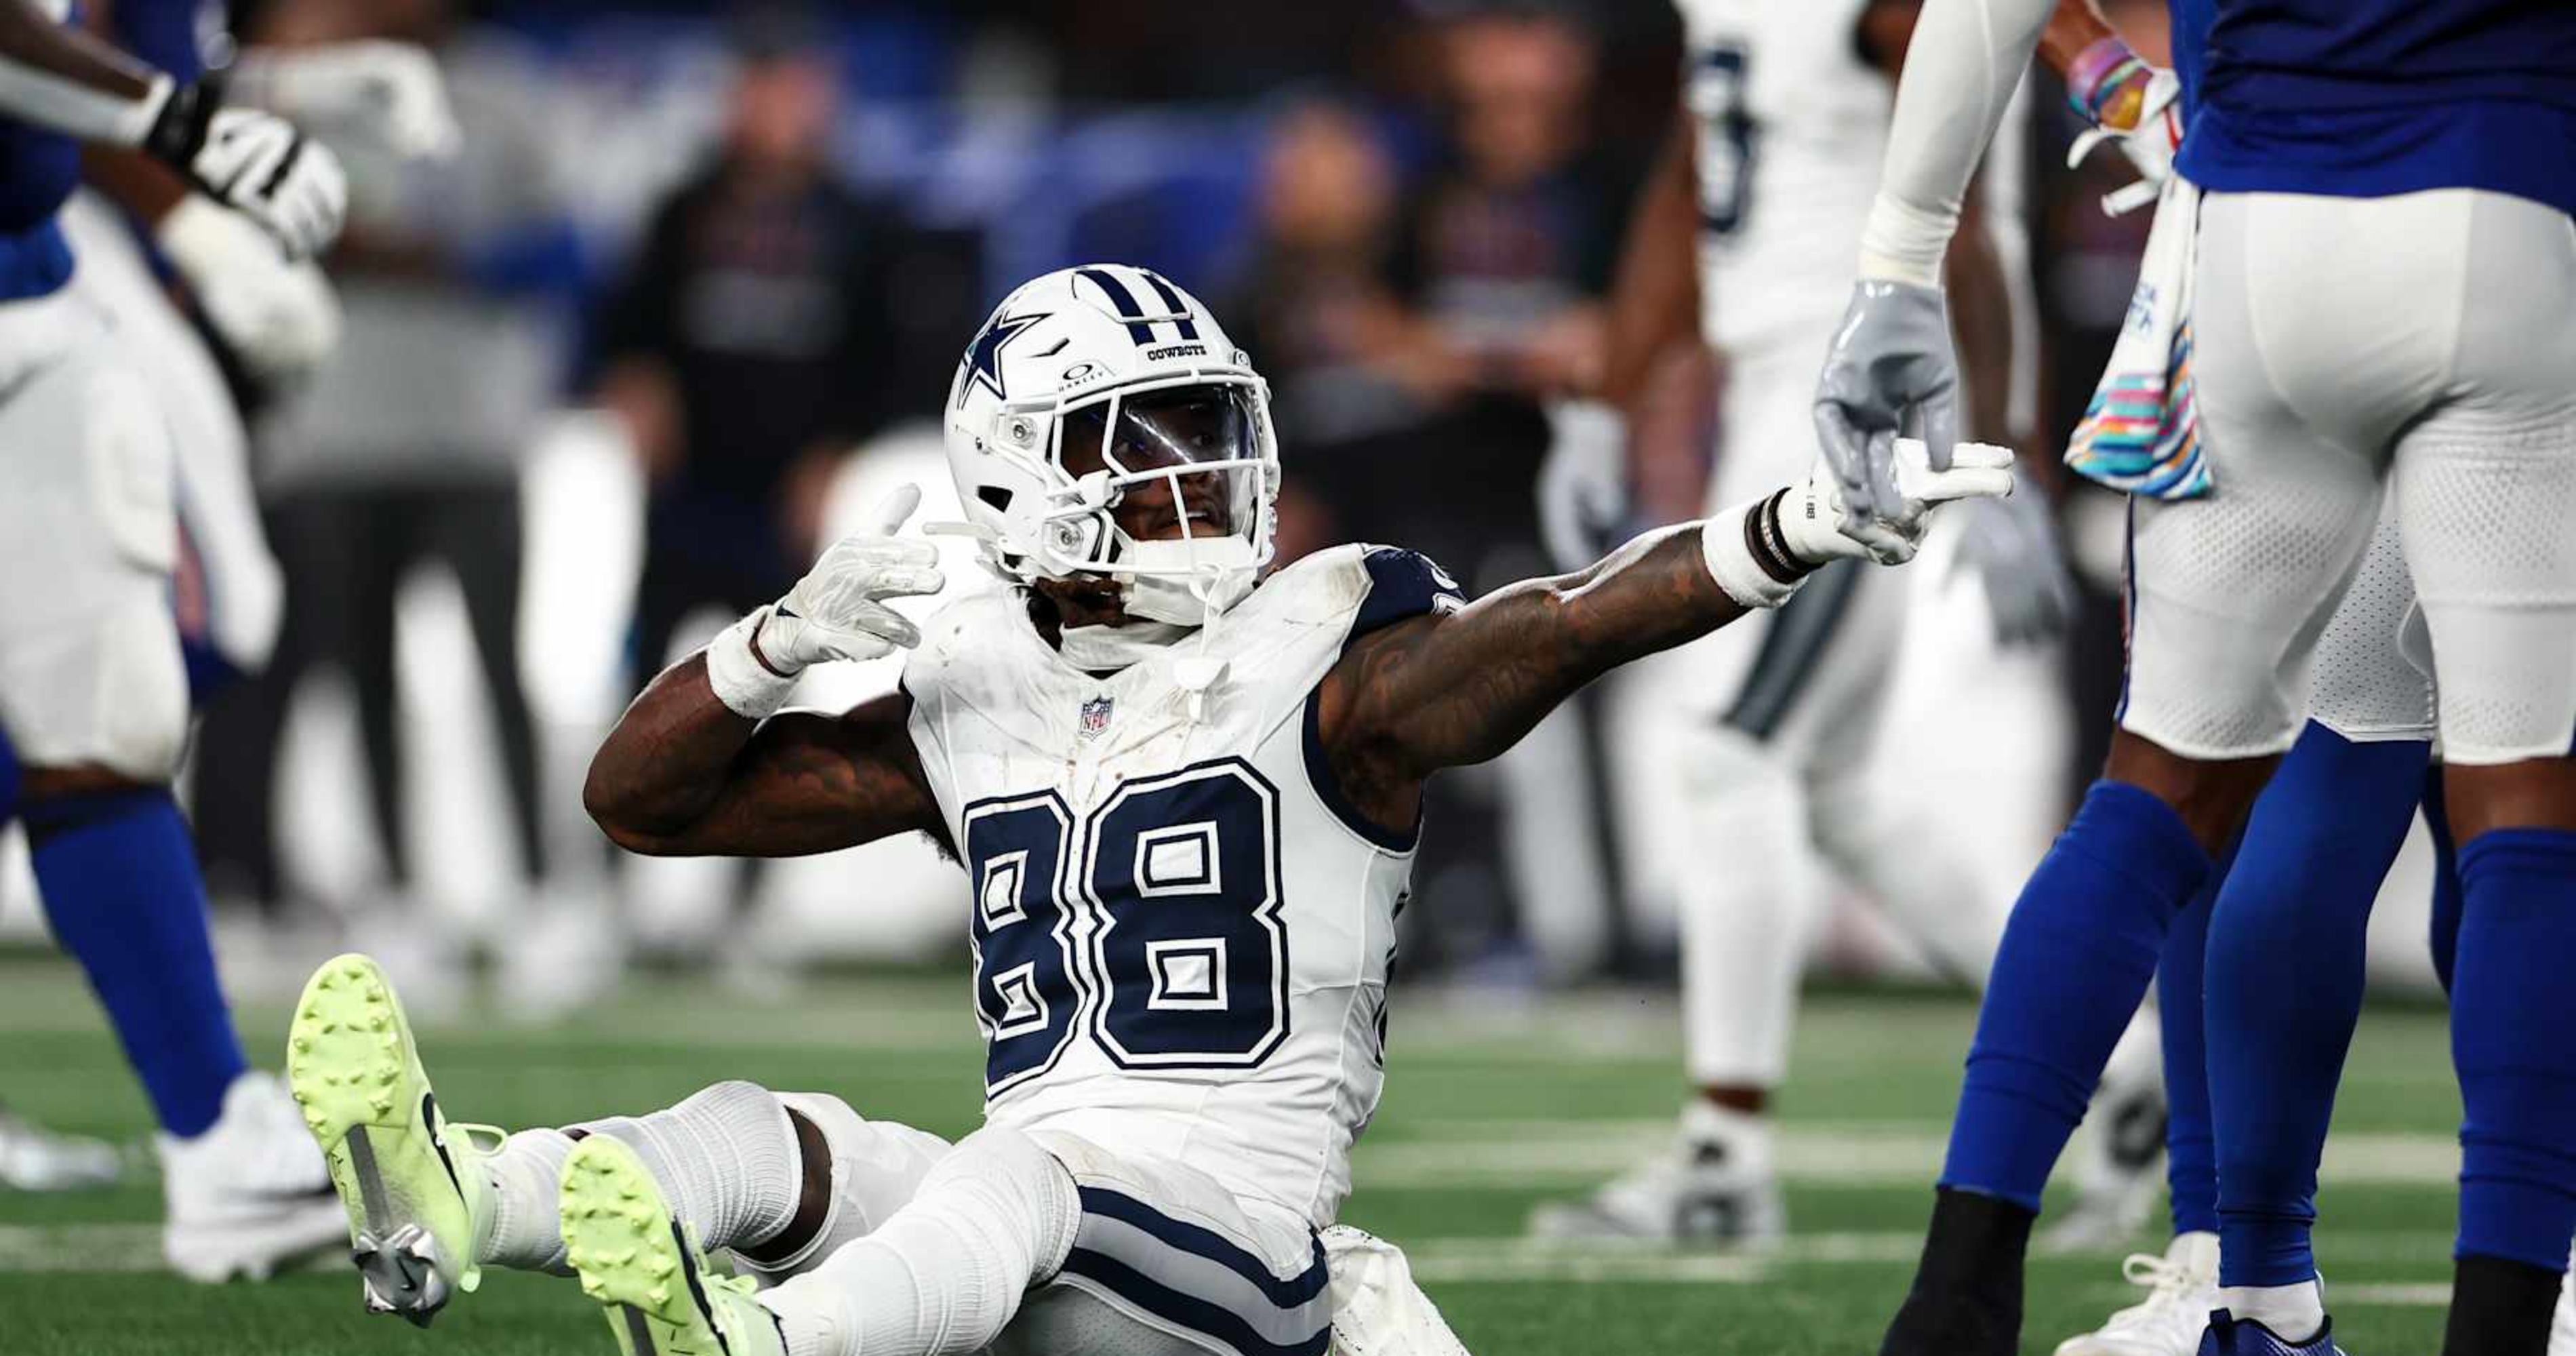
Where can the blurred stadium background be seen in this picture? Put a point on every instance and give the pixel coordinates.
(691, 297)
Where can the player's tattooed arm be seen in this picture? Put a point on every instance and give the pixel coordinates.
(682, 776)
(1446, 690)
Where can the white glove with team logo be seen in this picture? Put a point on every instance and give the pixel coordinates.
(281, 318)
(1811, 514)
(256, 163)
(836, 612)
(1760, 552)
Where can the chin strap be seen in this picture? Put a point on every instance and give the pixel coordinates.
(1199, 673)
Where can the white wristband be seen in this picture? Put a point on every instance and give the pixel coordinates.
(1901, 242)
(1731, 563)
(747, 687)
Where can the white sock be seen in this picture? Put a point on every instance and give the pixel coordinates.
(945, 1274)
(2295, 1312)
(527, 1223)
(726, 1160)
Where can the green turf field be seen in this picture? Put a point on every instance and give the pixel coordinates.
(1491, 1105)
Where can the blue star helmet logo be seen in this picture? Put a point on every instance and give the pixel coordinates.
(984, 356)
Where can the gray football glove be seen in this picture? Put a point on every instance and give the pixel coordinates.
(2012, 545)
(1890, 358)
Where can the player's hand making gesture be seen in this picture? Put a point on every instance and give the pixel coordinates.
(838, 611)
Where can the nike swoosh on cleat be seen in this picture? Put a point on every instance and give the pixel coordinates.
(697, 1292)
(438, 1140)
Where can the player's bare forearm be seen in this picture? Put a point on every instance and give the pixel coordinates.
(1654, 301)
(1981, 322)
(143, 186)
(1448, 690)
(2073, 26)
(681, 775)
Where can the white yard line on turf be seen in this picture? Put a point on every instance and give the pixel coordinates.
(1553, 1152)
(1493, 1259)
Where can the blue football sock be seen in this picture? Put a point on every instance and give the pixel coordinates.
(2075, 959)
(2191, 1145)
(2446, 878)
(2511, 1009)
(119, 880)
(2284, 984)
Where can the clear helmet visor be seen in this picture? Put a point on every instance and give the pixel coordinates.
(1182, 464)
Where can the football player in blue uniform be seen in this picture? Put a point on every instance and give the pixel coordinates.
(2384, 269)
(93, 693)
(2249, 1114)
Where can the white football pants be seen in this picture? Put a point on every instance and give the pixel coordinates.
(2420, 342)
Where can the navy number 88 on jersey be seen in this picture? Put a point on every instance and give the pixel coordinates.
(1151, 925)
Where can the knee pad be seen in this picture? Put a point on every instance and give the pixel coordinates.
(947, 1273)
(877, 1166)
(1005, 1169)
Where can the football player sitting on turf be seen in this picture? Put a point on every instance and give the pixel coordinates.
(1185, 798)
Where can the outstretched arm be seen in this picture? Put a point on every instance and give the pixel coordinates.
(1445, 690)
(683, 776)
(1448, 689)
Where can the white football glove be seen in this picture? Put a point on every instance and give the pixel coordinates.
(1812, 514)
(2150, 145)
(837, 611)
(1583, 484)
(1760, 552)
(390, 91)
(281, 318)
(256, 163)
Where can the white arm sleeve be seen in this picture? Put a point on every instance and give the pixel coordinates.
(1966, 57)
(67, 106)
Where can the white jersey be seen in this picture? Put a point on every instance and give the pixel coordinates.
(1181, 940)
(1792, 127)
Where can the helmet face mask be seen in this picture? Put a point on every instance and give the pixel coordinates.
(1091, 438)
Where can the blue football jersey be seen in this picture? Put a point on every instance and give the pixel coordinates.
(2367, 98)
(39, 169)
(2190, 28)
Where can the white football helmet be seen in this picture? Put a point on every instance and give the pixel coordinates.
(1094, 385)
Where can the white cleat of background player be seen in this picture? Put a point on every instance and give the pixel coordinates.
(33, 1158)
(2182, 1287)
(1718, 1185)
(248, 1197)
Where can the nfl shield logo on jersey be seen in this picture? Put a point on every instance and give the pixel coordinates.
(1095, 716)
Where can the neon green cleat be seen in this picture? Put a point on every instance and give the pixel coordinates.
(641, 1263)
(420, 1206)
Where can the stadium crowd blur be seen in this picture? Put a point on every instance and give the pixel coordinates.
(615, 373)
